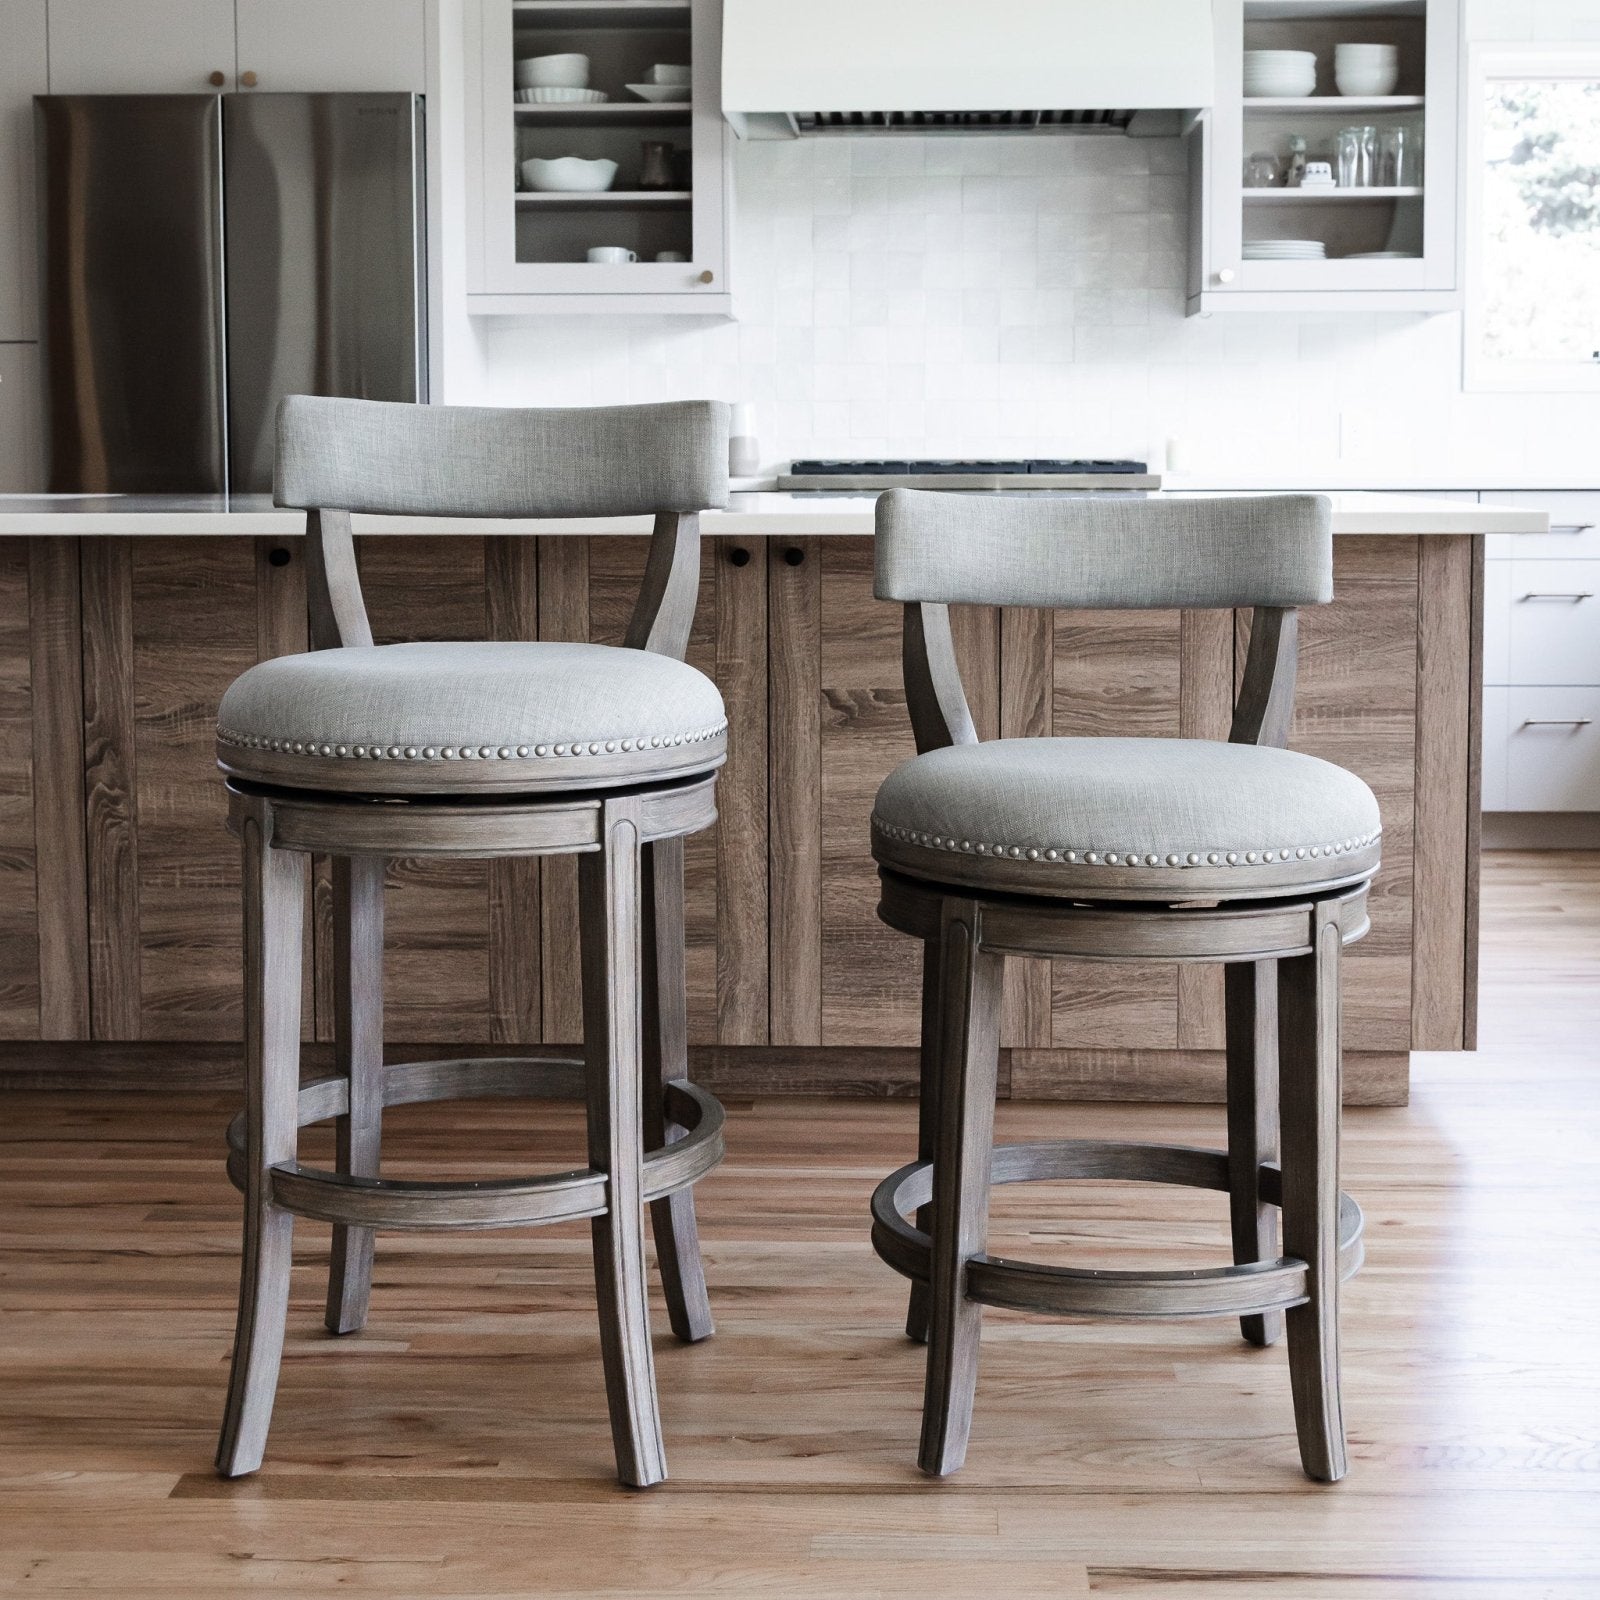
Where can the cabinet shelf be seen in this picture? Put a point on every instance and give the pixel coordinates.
(1319, 196)
(1333, 104)
(629, 113)
(603, 199)
(527, 15)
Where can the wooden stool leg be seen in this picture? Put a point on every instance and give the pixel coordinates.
(358, 1052)
(274, 902)
(927, 1121)
(1252, 1029)
(969, 1055)
(666, 1058)
(1310, 1067)
(608, 910)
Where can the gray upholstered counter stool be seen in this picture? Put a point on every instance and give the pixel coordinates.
(1123, 850)
(364, 752)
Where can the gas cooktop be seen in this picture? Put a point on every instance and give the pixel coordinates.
(949, 473)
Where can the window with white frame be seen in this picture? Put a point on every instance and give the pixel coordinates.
(1533, 219)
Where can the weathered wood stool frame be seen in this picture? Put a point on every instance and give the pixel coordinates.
(1282, 1021)
(628, 837)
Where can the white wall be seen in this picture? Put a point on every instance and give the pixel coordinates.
(986, 296)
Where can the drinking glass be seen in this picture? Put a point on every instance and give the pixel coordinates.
(1261, 170)
(1398, 163)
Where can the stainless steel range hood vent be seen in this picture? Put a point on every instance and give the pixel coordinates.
(962, 121)
(952, 66)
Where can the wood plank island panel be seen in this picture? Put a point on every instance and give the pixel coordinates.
(795, 985)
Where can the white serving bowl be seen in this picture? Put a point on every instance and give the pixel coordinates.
(568, 175)
(553, 72)
(1365, 81)
(659, 93)
(675, 75)
(561, 97)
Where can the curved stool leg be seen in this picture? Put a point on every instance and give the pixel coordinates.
(1308, 1025)
(358, 1051)
(608, 906)
(666, 1057)
(274, 901)
(969, 1054)
(1252, 1030)
(927, 1121)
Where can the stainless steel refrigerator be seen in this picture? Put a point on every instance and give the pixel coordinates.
(204, 255)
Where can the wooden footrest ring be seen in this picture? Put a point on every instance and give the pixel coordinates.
(499, 1203)
(1083, 1292)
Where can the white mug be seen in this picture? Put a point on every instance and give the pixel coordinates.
(671, 255)
(612, 255)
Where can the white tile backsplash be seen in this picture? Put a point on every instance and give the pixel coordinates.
(979, 295)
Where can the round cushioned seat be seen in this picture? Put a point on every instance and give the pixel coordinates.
(447, 717)
(1145, 819)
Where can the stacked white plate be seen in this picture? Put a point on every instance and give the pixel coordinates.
(562, 97)
(1285, 250)
(1279, 74)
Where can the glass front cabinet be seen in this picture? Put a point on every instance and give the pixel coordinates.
(1324, 178)
(603, 175)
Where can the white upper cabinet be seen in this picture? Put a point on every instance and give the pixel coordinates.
(22, 76)
(662, 212)
(314, 45)
(141, 46)
(1383, 236)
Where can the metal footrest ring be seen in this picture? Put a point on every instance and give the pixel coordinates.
(1082, 1292)
(496, 1203)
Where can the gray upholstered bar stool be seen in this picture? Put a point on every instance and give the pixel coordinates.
(1123, 850)
(364, 752)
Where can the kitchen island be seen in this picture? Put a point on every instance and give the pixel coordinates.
(122, 620)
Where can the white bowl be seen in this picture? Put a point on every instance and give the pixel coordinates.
(553, 72)
(1366, 81)
(675, 75)
(561, 97)
(659, 93)
(1280, 58)
(568, 175)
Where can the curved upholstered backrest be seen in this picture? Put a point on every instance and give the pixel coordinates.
(1112, 552)
(475, 461)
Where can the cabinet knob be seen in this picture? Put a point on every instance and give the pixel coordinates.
(706, 277)
(248, 79)
(217, 79)
(1225, 275)
(794, 556)
(739, 556)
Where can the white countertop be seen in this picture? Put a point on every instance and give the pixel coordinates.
(747, 516)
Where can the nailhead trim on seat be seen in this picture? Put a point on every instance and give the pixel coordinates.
(467, 752)
(1126, 858)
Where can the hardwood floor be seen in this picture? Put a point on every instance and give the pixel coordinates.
(459, 1447)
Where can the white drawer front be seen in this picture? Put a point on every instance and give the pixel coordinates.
(1554, 622)
(1574, 523)
(1552, 750)
(1496, 724)
(1497, 620)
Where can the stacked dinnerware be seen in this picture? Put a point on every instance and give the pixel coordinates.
(1279, 74)
(1285, 250)
(1366, 69)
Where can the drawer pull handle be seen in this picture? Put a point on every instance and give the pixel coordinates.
(1571, 527)
(1557, 594)
(1556, 722)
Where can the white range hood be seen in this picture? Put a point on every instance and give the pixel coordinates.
(804, 66)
